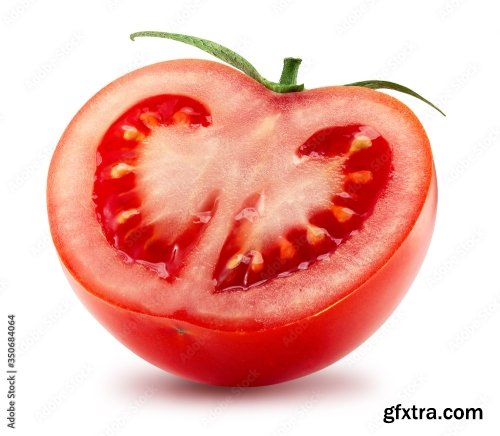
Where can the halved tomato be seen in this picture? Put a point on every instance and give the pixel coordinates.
(235, 235)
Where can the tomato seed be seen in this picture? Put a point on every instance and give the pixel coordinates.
(121, 169)
(360, 143)
(342, 214)
(363, 176)
(130, 133)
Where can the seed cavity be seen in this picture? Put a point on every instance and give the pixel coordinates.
(155, 246)
(353, 151)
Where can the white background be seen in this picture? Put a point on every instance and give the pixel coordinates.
(439, 349)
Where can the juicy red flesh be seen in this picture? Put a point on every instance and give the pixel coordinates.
(366, 172)
(117, 202)
(366, 169)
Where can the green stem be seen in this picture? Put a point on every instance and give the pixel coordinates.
(288, 79)
(289, 75)
(290, 71)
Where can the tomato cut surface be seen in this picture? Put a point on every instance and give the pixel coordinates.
(265, 241)
(186, 195)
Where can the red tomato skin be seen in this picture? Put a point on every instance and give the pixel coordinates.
(268, 356)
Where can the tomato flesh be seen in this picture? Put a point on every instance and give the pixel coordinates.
(243, 262)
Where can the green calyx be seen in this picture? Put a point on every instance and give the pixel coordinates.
(288, 79)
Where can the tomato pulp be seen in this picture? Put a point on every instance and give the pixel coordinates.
(237, 236)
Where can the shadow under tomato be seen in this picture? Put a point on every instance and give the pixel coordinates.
(331, 383)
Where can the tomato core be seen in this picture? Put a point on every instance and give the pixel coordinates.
(243, 262)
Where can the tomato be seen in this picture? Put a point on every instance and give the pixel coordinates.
(237, 235)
